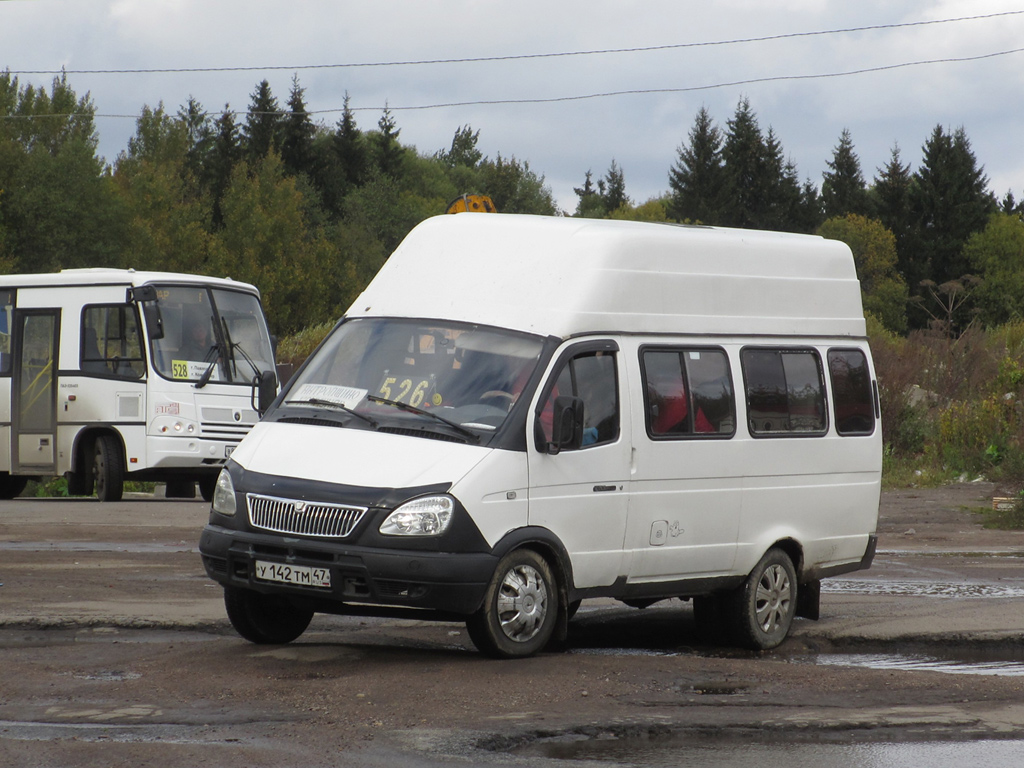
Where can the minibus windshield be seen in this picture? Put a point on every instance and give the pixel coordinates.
(465, 375)
(204, 327)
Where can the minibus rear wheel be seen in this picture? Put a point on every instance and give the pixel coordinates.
(265, 619)
(763, 607)
(520, 608)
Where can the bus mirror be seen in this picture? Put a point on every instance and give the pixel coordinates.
(146, 296)
(142, 293)
(154, 320)
(567, 427)
(264, 391)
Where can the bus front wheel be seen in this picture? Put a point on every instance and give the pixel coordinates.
(108, 468)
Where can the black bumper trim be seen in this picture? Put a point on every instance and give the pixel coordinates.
(363, 579)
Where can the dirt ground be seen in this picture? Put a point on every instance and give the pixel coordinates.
(116, 651)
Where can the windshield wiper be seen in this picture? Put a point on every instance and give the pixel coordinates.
(332, 404)
(421, 412)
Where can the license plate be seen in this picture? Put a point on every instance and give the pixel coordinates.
(302, 575)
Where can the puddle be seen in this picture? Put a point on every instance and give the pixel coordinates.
(683, 750)
(920, 589)
(922, 664)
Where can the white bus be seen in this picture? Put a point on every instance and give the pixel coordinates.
(108, 374)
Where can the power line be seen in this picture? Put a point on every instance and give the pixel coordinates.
(518, 57)
(602, 95)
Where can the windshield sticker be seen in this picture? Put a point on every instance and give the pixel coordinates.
(187, 369)
(350, 397)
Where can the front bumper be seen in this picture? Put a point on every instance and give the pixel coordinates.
(362, 577)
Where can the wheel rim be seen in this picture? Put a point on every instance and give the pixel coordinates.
(522, 603)
(774, 594)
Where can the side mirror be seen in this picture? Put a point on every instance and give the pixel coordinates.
(264, 391)
(145, 295)
(567, 427)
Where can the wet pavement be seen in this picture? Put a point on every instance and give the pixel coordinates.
(117, 652)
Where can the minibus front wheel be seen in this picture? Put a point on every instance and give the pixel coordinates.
(265, 619)
(520, 608)
(763, 607)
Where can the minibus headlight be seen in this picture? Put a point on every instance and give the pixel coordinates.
(224, 494)
(426, 516)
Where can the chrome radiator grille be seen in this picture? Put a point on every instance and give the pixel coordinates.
(302, 518)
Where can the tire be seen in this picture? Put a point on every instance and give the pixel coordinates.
(108, 468)
(520, 608)
(207, 485)
(265, 619)
(11, 485)
(763, 607)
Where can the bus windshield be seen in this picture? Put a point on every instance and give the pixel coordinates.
(467, 375)
(204, 327)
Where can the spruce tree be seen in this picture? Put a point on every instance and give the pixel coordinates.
(297, 134)
(226, 152)
(843, 190)
(697, 179)
(200, 135)
(350, 148)
(614, 188)
(590, 205)
(949, 201)
(263, 124)
(745, 157)
(389, 152)
(890, 196)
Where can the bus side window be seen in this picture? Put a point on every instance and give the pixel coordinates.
(110, 342)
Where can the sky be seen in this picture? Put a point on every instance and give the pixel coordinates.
(627, 86)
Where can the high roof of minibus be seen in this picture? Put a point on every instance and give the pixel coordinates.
(566, 277)
(108, 276)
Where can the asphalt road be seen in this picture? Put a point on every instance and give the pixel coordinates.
(116, 651)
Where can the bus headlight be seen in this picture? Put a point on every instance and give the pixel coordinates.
(426, 516)
(224, 494)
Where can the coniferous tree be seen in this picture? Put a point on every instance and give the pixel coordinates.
(891, 200)
(697, 180)
(843, 190)
(745, 157)
(591, 204)
(350, 147)
(782, 192)
(200, 135)
(226, 153)
(614, 188)
(263, 124)
(297, 134)
(950, 201)
(389, 150)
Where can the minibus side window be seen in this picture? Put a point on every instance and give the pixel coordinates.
(785, 392)
(591, 377)
(688, 393)
(853, 404)
(110, 342)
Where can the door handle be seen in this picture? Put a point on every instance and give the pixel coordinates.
(605, 488)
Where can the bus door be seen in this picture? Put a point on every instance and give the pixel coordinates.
(34, 392)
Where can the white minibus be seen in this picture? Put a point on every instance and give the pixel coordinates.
(520, 413)
(108, 374)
